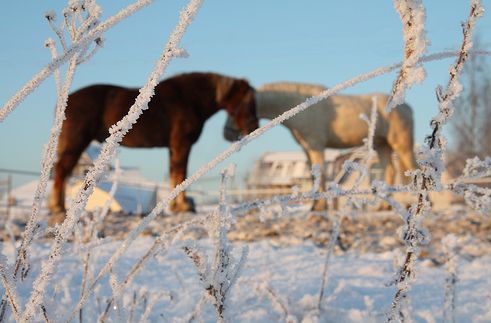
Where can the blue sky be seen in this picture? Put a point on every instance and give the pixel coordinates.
(320, 41)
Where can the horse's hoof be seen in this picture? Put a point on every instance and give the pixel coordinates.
(187, 206)
(56, 218)
(384, 207)
(319, 205)
(182, 208)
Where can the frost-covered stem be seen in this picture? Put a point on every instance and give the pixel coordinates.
(454, 88)
(217, 287)
(45, 314)
(116, 302)
(94, 13)
(10, 293)
(50, 44)
(117, 133)
(10, 232)
(50, 16)
(48, 160)
(196, 314)
(86, 258)
(112, 192)
(85, 277)
(148, 308)
(86, 57)
(429, 177)
(412, 13)
(477, 197)
(133, 307)
(219, 276)
(278, 303)
(372, 124)
(70, 14)
(476, 168)
(405, 273)
(93, 229)
(50, 150)
(156, 247)
(30, 86)
(449, 244)
(47, 164)
(121, 287)
(330, 248)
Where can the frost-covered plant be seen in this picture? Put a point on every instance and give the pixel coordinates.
(363, 172)
(477, 197)
(219, 274)
(278, 303)
(74, 18)
(450, 244)
(77, 46)
(79, 18)
(329, 250)
(90, 233)
(334, 191)
(428, 178)
(77, 25)
(412, 13)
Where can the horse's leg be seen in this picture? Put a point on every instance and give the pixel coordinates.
(63, 168)
(179, 154)
(74, 139)
(317, 157)
(386, 162)
(401, 139)
(407, 161)
(385, 156)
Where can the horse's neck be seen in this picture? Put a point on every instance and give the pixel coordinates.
(210, 101)
(270, 104)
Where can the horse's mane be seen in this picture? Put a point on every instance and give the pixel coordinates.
(303, 88)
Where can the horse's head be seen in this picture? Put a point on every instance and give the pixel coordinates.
(237, 97)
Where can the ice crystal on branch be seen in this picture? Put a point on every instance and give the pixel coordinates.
(412, 13)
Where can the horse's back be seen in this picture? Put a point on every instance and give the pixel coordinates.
(93, 109)
(302, 88)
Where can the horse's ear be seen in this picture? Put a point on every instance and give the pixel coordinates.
(224, 85)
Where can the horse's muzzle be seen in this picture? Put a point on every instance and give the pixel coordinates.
(231, 134)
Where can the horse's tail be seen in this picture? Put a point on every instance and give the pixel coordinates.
(303, 88)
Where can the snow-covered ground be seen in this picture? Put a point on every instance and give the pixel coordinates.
(281, 279)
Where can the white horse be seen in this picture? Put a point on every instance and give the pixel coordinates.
(335, 123)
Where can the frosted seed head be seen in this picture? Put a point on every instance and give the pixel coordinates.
(50, 15)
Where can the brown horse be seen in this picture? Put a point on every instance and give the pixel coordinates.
(175, 118)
